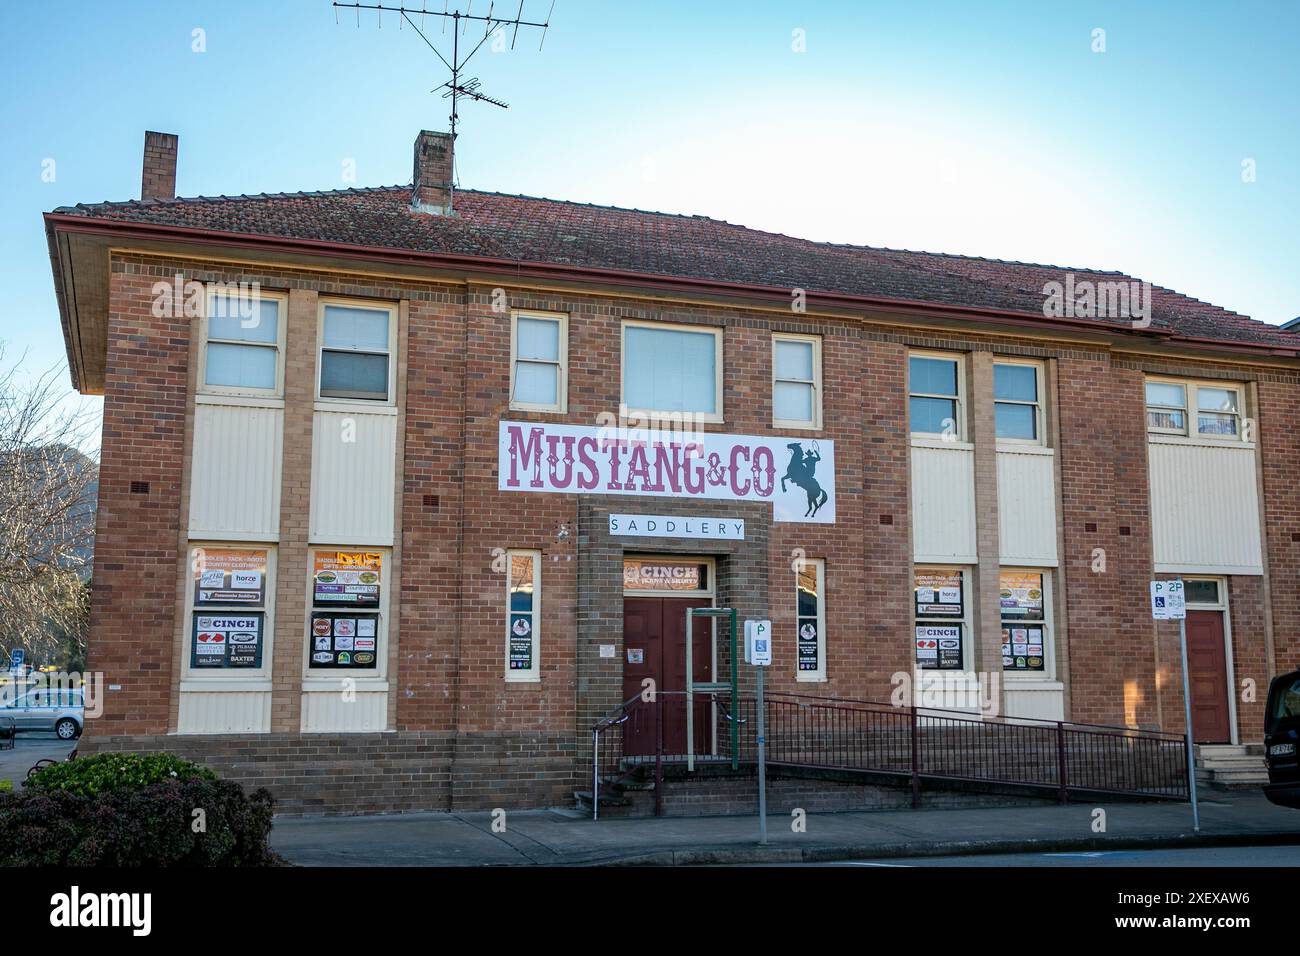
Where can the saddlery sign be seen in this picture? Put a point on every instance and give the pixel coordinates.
(797, 475)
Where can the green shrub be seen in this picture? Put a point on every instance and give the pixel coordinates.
(106, 772)
(153, 825)
(6, 786)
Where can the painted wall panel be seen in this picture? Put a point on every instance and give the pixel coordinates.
(943, 504)
(327, 711)
(1027, 506)
(235, 480)
(352, 477)
(1044, 702)
(1204, 508)
(224, 712)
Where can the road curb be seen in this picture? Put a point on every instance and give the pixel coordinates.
(731, 855)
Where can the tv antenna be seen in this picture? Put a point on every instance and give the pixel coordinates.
(492, 22)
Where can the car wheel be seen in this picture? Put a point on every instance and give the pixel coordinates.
(67, 729)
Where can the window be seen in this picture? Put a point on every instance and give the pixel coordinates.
(539, 362)
(346, 629)
(356, 357)
(229, 609)
(1201, 591)
(1017, 410)
(940, 616)
(935, 387)
(672, 369)
(810, 620)
(242, 335)
(1026, 631)
(1216, 408)
(523, 614)
(1167, 407)
(796, 380)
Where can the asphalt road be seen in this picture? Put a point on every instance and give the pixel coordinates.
(1283, 856)
(29, 748)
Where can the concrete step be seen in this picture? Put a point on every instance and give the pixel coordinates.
(1233, 763)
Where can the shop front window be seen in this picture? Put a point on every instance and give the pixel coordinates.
(1022, 598)
(939, 601)
(345, 619)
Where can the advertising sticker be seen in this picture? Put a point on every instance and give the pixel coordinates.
(938, 594)
(348, 578)
(938, 646)
(229, 576)
(334, 640)
(226, 640)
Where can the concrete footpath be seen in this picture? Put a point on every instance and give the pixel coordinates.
(568, 838)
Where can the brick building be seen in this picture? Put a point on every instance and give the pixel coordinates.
(374, 529)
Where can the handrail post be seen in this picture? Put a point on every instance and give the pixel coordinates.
(1061, 770)
(916, 760)
(595, 774)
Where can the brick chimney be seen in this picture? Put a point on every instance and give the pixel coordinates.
(159, 178)
(432, 178)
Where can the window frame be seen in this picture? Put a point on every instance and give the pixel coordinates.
(714, 417)
(562, 363)
(354, 303)
(1040, 418)
(964, 621)
(276, 391)
(314, 677)
(1048, 673)
(1192, 408)
(192, 676)
(959, 411)
(819, 675)
(815, 424)
(534, 674)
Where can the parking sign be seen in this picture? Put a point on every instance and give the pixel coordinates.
(1168, 602)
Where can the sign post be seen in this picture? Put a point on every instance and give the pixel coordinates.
(758, 652)
(1169, 603)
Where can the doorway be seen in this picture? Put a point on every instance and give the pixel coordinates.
(1208, 666)
(657, 594)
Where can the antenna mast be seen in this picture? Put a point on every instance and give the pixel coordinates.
(460, 21)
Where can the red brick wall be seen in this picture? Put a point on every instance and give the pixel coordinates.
(1280, 456)
(133, 610)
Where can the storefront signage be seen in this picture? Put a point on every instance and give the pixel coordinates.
(797, 475)
(650, 574)
(224, 576)
(938, 646)
(938, 594)
(1022, 647)
(346, 578)
(343, 639)
(226, 640)
(1021, 595)
(677, 526)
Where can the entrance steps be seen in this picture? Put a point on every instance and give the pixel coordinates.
(1231, 766)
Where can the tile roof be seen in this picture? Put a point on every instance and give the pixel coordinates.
(534, 230)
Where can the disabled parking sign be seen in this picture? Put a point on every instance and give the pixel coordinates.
(1168, 600)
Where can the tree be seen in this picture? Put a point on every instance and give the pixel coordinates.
(48, 487)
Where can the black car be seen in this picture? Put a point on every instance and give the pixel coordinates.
(1281, 739)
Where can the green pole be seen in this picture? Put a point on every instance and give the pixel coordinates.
(735, 699)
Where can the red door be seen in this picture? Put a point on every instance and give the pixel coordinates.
(654, 646)
(1207, 674)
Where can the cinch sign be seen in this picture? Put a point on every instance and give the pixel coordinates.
(797, 475)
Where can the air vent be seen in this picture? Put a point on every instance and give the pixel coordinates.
(139, 487)
(431, 502)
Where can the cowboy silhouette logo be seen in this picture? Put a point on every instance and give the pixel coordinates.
(800, 471)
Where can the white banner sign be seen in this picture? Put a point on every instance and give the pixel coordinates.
(674, 526)
(797, 475)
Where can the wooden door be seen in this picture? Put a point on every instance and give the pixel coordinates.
(1207, 674)
(654, 646)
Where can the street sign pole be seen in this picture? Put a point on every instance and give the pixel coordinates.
(762, 764)
(758, 653)
(1187, 715)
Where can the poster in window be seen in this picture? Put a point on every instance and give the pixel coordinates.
(1023, 648)
(807, 645)
(1021, 595)
(226, 640)
(225, 576)
(938, 646)
(521, 642)
(343, 639)
(346, 578)
(938, 594)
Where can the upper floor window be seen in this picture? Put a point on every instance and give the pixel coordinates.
(1214, 407)
(796, 380)
(935, 395)
(672, 368)
(1017, 405)
(539, 352)
(242, 337)
(356, 353)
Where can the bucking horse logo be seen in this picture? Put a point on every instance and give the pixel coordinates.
(800, 472)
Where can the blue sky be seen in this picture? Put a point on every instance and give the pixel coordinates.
(988, 129)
